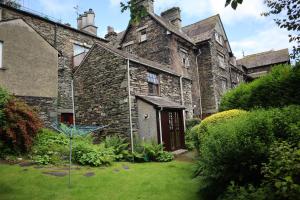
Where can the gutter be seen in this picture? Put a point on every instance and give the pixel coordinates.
(129, 104)
(200, 100)
(182, 103)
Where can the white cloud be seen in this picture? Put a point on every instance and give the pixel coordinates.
(59, 6)
(270, 38)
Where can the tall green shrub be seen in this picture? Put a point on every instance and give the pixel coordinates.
(277, 89)
(235, 150)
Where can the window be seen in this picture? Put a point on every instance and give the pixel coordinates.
(1, 53)
(223, 85)
(184, 58)
(153, 84)
(79, 49)
(128, 48)
(221, 59)
(67, 118)
(143, 35)
(219, 38)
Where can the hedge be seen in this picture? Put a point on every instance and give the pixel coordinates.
(277, 89)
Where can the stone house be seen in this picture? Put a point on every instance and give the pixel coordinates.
(257, 65)
(44, 85)
(33, 78)
(133, 95)
(200, 50)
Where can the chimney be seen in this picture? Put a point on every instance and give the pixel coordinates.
(111, 35)
(86, 22)
(173, 15)
(148, 4)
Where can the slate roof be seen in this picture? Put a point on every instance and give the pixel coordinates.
(202, 30)
(137, 59)
(161, 102)
(170, 27)
(265, 58)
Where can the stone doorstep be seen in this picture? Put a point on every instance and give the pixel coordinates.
(179, 152)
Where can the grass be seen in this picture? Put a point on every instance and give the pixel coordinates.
(157, 181)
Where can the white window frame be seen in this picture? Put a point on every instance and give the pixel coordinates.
(1, 54)
(184, 58)
(219, 38)
(142, 37)
(222, 63)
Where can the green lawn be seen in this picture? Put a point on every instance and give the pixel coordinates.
(141, 181)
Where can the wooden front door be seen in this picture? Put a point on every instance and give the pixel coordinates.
(172, 129)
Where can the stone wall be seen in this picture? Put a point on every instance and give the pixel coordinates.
(62, 38)
(101, 95)
(169, 88)
(155, 48)
(45, 107)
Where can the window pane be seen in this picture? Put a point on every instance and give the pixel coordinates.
(78, 49)
(1, 52)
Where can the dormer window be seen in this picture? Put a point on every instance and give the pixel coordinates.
(79, 49)
(184, 58)
(219, 38)
(143, 35)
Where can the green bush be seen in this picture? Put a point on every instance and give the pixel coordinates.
(119, 145)
(277, 89)
(151, 151)
(235, 150)
(190, 123)
(197, 132)
(50, 147)
(93, 155)
(281, 177)
(4, 98)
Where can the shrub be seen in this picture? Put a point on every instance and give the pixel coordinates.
(277, 89)
(200, 130)
(50, 147)
(150, 151)
(21, 124)
(236, 149)
(4, 98)
(93, 155)
(190, 123)
(119, 146)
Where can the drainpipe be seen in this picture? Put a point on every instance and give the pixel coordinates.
(73, 102)
(129, 102)
(200, 100)
(182, 102)
(160, 127)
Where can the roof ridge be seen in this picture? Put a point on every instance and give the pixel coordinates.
(201, 20)
(262, 53)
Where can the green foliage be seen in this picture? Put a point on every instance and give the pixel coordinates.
(93, 155)
(235, 150)
(190, 123)
(277, 89)
(151, 151)
(50, 147)
(200, 130)
(137, 12)
(119, 145)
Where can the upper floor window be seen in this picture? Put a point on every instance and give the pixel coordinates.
(143, 35)
(184, 58)
(1, 54)
(219, 38)
(128, 48)
(79, 49)
(153, 83)
(223, 85)
(221, 59)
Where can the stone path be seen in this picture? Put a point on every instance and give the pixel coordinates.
(58, 174)
(89, 174)
(189, 156)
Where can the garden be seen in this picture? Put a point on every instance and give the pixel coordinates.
(249, 150)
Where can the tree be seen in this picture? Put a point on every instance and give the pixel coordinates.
(289, 18)
(11, 3)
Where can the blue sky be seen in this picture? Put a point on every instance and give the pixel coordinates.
(246, 29)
